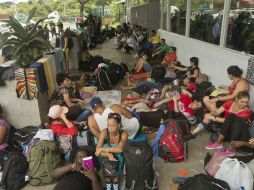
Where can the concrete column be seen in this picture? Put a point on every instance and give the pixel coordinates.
(169, 15)
(126, 12)
(224, 27)
(188, 17)
(162, 15)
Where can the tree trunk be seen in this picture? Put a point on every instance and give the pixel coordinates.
(82, 4)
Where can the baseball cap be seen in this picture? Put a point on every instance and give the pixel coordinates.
(56, 110)
(95, 102)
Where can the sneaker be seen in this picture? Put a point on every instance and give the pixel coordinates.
(190, 136)
(108, 186)
(115, 187)
(226, 152)
(213, 146)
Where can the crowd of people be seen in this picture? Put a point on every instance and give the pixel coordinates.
(184, 92)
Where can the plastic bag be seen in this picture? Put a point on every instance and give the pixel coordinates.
(214, 164)
(236, 174)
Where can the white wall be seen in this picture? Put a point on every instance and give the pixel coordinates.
(214, 60)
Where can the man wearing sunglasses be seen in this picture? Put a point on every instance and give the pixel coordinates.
(98, 121)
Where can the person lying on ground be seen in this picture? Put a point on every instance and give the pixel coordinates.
(4, 130)
(74, 176)
(64, 96)
(239, 107)
(110, 146)
(98, 121)
(239, 84)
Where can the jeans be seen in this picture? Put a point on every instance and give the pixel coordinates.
(84, 115)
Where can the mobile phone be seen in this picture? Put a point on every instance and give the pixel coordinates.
(88, 162)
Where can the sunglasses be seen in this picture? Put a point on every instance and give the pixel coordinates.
(114, 115)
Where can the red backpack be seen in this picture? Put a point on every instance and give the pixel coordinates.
(172, 147)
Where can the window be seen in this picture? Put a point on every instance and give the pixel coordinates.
(206, 20)
(240, 27)
(178, 16)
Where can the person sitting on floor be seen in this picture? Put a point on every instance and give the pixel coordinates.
(98, 121)
(239, 107)
(142, 66)
(110, 146)
(161, 51)
(170, 57)
(63, 96)
(192, 71)
(239, 84)
(64, 129)
(4, 130)
(154, 38)
(74, 176)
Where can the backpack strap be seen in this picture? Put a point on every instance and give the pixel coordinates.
(6, 170)
(49, 161)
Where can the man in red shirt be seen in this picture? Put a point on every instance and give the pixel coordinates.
(170, 57)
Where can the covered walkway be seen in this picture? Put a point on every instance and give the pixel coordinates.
(165, 171)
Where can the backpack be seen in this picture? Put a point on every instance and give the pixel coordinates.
(172, 147)
(103, 80)
(14, 172)
(140, 174)
(44, 157)
(202, 181)
(158, 73)
(115, 72)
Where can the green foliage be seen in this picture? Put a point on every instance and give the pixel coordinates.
(26, 43)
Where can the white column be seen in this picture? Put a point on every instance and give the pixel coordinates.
(126, 8)
(162, 15)
(168, 15)
(188, 17)
(224, 27)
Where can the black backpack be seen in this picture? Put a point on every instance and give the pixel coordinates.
(14, 172)
(115, 72)
(139, 166)
(103, 80)
(158, 72)
(203, 181)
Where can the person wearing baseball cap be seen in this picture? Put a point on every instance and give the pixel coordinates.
(98, 121)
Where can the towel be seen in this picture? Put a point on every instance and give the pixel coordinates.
(41, 76)
(156, 141)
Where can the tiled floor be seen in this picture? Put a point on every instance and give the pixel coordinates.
(166, 171)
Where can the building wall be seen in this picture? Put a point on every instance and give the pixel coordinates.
(214, 60)
(147, 15)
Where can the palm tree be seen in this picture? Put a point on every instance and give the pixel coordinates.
(27, 43)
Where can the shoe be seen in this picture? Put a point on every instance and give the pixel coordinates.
(226, 152)
(115, 187)
(213, 146)
(108, 186)
(190, 136)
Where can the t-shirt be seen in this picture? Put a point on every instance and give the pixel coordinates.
(183, 105)
(62, 129)
(245, 113)
(131, 126)
(170, 57)
(164, 48)
(4, 123)
(74, 180)
(154, 39)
